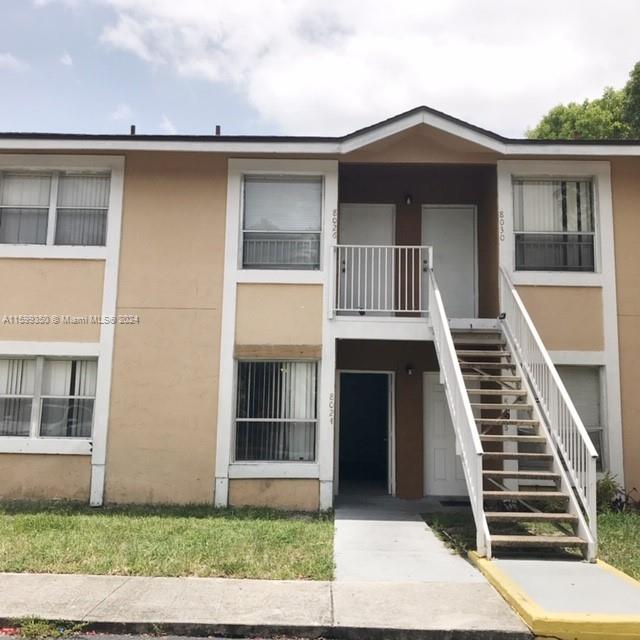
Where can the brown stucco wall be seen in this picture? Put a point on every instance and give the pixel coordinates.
(44, 477)
(434, 184)
(625, 177)
(162, 431)
(383, 355)
(47, 288)
(289, 494)
(282, 314)
(567, 318)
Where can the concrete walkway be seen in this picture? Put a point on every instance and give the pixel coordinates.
(212, 606)
(380, 538)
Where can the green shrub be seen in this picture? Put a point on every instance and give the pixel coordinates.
(608, 492)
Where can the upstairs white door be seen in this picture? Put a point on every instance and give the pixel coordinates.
(443, 474)
(451, 231)
(366, 276)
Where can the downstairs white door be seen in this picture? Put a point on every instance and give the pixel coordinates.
(443, 474)
(451, 231)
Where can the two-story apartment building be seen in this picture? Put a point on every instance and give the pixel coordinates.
(276, 320)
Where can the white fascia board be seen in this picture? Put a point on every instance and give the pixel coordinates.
(281, 148)
(433, 120)
(584, 150)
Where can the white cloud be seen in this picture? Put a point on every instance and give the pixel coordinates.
(167, 126)
(9, 62)
(66, 59)
(122, 112)
(332, 66)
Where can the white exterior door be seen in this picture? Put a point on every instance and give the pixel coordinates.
(443, 474)
(451, 231)
(367, 279)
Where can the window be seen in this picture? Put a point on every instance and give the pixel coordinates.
(276, 411)
(282, 222)
(47, 397)
(554, 224)
(54, 208)
(583, 385)
(24, 208)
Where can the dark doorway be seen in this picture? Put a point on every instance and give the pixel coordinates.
(364, 432)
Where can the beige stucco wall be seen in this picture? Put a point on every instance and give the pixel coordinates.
(567, 318)
(625, 176)
(47, 477)
(48, 288)
(162, 431)
(279, 314)
(293, 494)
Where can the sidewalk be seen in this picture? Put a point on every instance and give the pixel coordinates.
(214, 606)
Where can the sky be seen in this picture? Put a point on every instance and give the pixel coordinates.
(303, 67)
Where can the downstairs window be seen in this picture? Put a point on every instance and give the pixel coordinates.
(47, 397)
(276, 411)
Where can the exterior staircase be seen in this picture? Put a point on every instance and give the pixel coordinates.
(525, 503)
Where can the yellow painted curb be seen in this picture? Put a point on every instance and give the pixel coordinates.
(565, 626)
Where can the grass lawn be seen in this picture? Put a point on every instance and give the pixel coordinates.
(618, 536)
(165, 541)
(619, 541)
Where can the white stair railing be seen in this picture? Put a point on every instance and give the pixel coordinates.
(381, 279)
(570, 436)
(462, 417)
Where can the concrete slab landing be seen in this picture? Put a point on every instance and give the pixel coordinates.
(568, 599)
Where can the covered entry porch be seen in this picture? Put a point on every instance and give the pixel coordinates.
(393, 431)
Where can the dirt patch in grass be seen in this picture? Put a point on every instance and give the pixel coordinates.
(165, 541)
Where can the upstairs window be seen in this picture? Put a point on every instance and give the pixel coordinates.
(47, 397)
(281, 222)
(554, 224)
(24, 208)
(276, 411)
(54, 208)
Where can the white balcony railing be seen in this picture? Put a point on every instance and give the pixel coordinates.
(381, 280)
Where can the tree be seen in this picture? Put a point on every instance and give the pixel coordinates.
(616, 115)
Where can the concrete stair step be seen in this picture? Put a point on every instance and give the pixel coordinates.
(464, 364)
(523, 422)
(484, 353)
(508, 455)
(537, 541)
(529, 516)
(502, 406)
(521, 475)
(514, 438)
(518, 393)
(487, 377)
(555, 496)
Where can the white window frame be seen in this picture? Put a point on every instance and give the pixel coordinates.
(55, 166)
(600, 174)
(39, 351)
(595, 234)
(287, 467)
(238, 169)
(242, 230)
